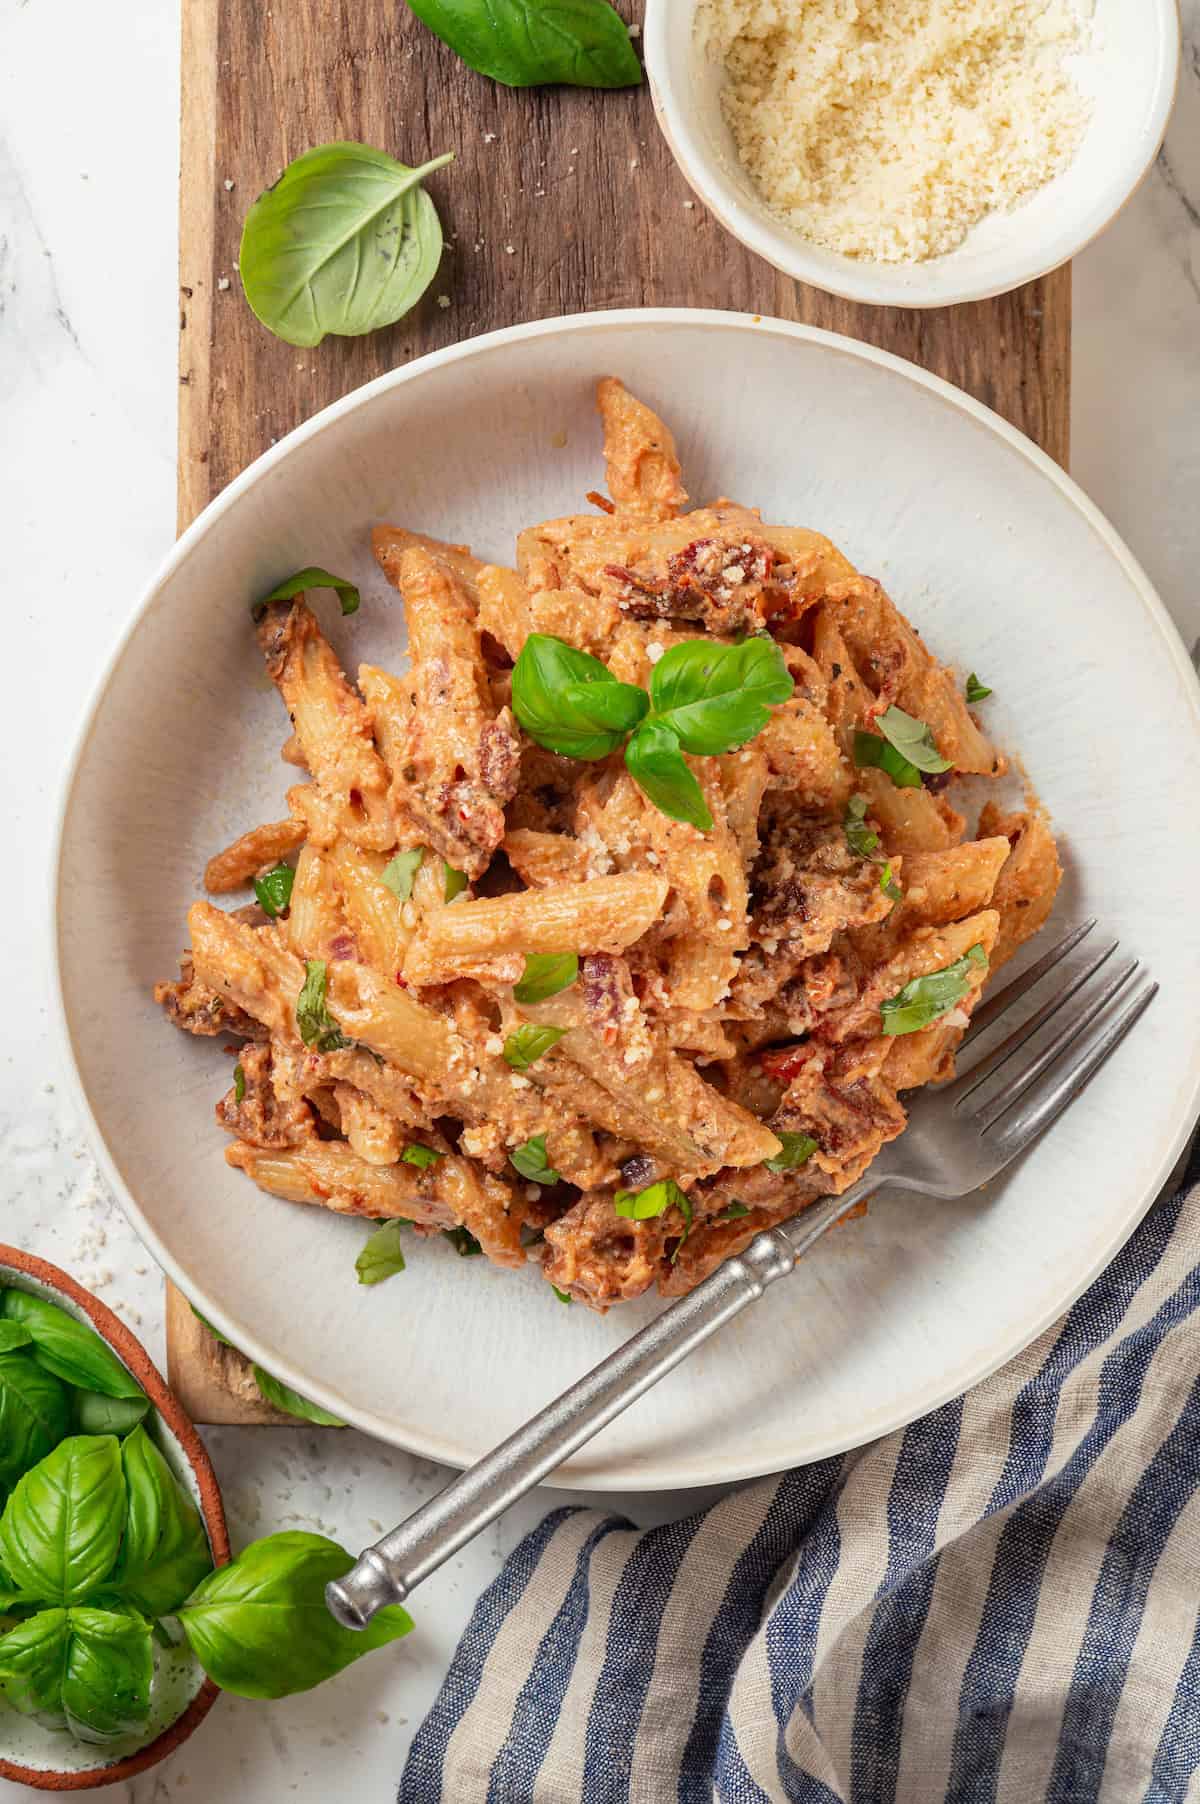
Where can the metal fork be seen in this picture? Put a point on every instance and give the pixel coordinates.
(958, 1137)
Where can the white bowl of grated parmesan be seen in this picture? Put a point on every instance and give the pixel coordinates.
(913, 153)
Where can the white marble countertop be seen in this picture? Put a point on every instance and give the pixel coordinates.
(88, 168)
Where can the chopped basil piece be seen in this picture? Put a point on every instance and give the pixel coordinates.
(382, 1257)
(925, 998)
(870, 751)
(913, 739)
(859, 837)
(317, 1026)
(546, 973)
(525, 1047)
(530, 1160)
(463, 1242)
(564, 1296)
(976, 691)
(274, 889)
(453, 882)
(312, 578)
(239, 1083)
(656, 1199)
(734, 1212)
(796, 1149)
(420, 1156)
(889, 886)
(399, 874)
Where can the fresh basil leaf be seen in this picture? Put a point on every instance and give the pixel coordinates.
(545, 974)
(796, 1149)
(581, 43)
(61, 1530)
(14, 1335)
(260, 1627)
(33, 1657)
(96, 1414)
(570, 702)
(399, 874)
(346, 240)
(165, 1552)
(383, 1255)
(530, 1160)
(564, 1296)
(527, 1045)
(68, 1349)
(420, 1156)
(453, 882)
(107, 1675)
(870, 751)
(713, 696)
(317, 1026)
(734, 1212)
(463, 1242)
(311, 578)
(913, 739)
(655, 762)
(889, 886)
(291, 1402)
(925, 998)
(274, 889)
(641, 1205)
(35, 1414)
(976, 691)
(859, 837)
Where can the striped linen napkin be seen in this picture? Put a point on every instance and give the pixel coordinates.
(997, 1605)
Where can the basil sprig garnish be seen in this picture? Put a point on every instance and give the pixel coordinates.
(532, 1162)
(581, 43)
(311, 578)
(398, 875)
(705, 698)
(906, 749)
(976, 691)
(318, 1028)
(545, 974)
(925, 998)
(274, 889)
(420, 1156)
(795, 1150)
(570, 702)
(526, 1046)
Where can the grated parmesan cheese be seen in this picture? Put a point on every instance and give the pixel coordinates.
(886, 129)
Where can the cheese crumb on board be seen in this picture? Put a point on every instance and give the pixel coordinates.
(886, 129)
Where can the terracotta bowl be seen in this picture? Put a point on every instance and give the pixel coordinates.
(52, 1761)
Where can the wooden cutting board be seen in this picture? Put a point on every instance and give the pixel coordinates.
(559, 201)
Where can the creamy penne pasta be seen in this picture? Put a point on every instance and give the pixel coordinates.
(616, 924)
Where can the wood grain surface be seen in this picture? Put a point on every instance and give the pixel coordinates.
(559, 201)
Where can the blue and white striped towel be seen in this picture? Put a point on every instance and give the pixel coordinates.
(997, 1605)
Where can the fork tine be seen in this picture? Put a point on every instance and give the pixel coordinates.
(1024, 1121)
(996, 1005)
(987, 1067)
(1071, 1030)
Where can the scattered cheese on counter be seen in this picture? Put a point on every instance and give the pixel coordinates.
(886, 129)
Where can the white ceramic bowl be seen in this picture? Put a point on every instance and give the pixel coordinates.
(1129, 73)
(1007, 569)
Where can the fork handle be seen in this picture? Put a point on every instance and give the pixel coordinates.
(394, 1566)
